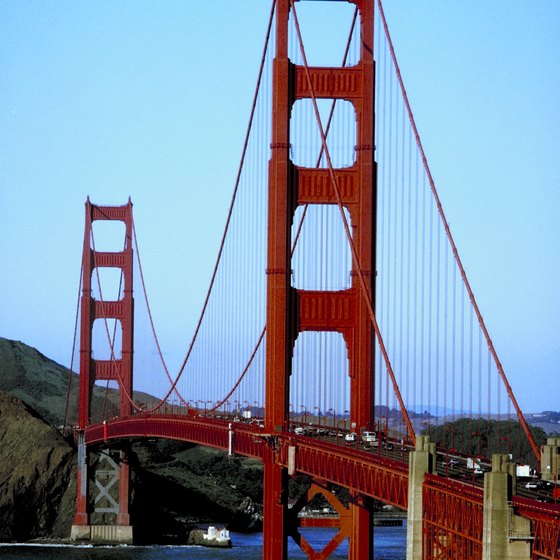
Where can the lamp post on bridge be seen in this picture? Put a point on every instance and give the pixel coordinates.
(447, 450)
(506, 444)
(317, 414)
(481, 437)
(333, 414)
(302, 416)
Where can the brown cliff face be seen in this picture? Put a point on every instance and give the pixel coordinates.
(36, 464)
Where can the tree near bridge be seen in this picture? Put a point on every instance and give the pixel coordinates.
(480, 437)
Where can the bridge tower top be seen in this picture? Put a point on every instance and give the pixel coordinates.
(118, 366)
(290, 310)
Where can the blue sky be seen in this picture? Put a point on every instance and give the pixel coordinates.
(151, 100)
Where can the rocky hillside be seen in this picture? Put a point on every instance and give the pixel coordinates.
(174, 485)
(42, 384)
(39, 382)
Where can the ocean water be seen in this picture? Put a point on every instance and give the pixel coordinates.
(389, 544)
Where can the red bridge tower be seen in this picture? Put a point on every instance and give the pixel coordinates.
(291, 311)
(118, 368)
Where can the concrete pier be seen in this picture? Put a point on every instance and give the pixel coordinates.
(550, 459)
(505, 536)
(102, 515)
(102, 534)
(421, 461)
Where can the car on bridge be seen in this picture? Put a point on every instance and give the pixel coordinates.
(350, 438)
(387, 445)
(534, 484)
(370, 438)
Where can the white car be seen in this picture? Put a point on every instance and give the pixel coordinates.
(369, 438)
(350, 438)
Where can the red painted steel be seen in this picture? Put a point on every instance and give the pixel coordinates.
(289, 311)
(452, 519)
(373, 476)
(341, 521)
(119, 370)
(280, 322)
(453, 511)
(545, 526)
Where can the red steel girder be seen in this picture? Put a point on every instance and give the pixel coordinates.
(368, 474)
(452, 519)
(372, 476)
(545, 526)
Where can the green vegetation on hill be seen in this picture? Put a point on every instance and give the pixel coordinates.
(478, 436)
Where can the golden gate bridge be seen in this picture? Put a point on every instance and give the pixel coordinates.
(338, 329)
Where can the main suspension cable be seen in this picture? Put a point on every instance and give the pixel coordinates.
(69, 388)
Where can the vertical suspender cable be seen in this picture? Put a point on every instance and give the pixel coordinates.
(69, 387)
(361, 278)
(481, 322)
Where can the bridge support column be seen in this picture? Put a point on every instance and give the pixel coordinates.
(123, 517)
(102, 512)
(505, 536)
(360, 545)
(80, 530)
(421, 461)
(292, 310)
(550, 459)
(275, 542)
